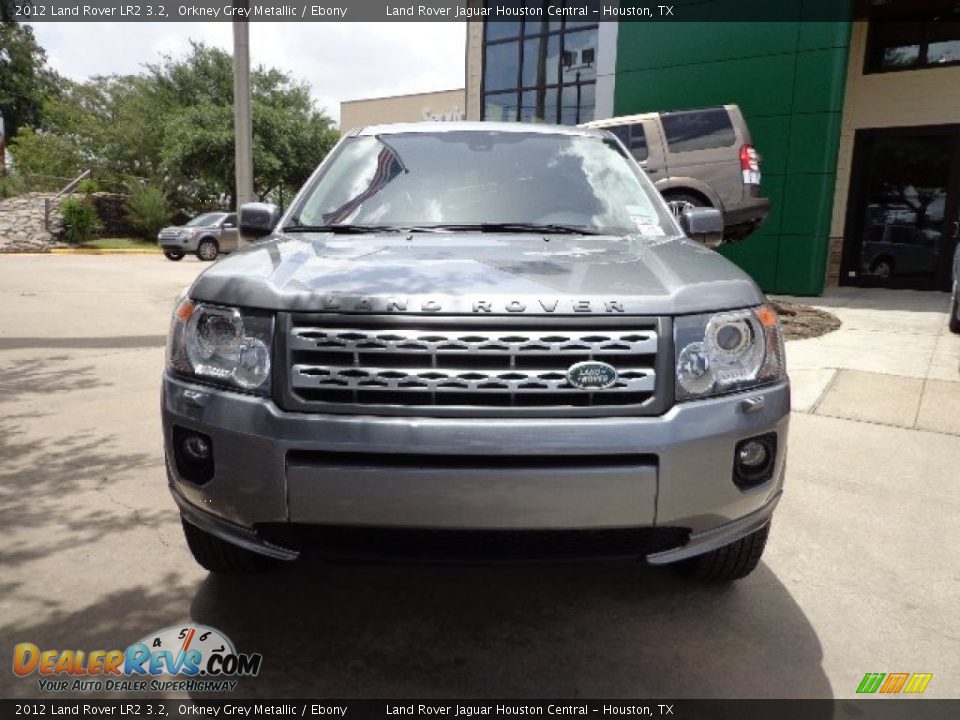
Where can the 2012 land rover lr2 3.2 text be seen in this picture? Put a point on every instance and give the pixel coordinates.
(482, 337)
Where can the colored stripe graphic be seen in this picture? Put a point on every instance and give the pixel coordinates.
(894, 683)
(870, 682)
(918, 683)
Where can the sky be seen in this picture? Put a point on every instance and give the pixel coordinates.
(340, 61)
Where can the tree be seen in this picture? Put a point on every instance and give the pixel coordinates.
(289, 135)
(25, 80)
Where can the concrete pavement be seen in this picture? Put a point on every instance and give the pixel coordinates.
(859, 576)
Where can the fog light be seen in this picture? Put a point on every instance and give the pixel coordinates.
(193, 455)
(752, 454)
(196, 448)
(754, 460)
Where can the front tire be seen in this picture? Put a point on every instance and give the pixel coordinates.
(882, 268)
(730, 562)
(221, 557)
(174, 256)
(208, 250)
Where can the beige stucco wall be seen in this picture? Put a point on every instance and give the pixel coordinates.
(914, 97)
(474, 69)
(440, 105)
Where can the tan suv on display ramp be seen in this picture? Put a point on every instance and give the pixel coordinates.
(699, 158)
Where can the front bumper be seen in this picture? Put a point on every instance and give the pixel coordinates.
(181, 245)
(673, 470)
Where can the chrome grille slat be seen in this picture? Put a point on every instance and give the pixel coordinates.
(469, 367)
(428, 379)
(351, 340)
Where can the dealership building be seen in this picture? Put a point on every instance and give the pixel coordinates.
(857, 120)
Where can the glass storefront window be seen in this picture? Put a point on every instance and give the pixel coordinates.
(577, 104)
(500, 69)
(550, 53)
(500, 30)
(500, 107)
(579, 56)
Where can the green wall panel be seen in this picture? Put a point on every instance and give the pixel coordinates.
(771, 135)
(758, 255)
(715, 41)
(813, 143)
(800, 264)
(788, 78)
(807, 204)
(756, 83)
(811, 93)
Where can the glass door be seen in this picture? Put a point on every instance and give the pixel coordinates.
(902, 222)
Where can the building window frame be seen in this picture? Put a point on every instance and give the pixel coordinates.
(541, 30)
(927, 32)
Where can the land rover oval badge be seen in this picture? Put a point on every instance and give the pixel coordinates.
(592, 375)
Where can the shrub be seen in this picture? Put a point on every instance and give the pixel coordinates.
(88, 186)
(10, 185)
(147, 210)
(80, 221)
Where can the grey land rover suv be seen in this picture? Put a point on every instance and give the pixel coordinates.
(476, 339)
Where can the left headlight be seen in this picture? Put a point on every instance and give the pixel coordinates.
(221, 344)
(727, 351)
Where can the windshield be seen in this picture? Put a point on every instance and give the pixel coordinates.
(473, 178)
(206, 220)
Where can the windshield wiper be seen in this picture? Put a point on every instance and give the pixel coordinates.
(346, 229)
(521, 227)
(506, 227)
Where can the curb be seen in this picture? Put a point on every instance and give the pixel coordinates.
(101, 251)
(82, 251)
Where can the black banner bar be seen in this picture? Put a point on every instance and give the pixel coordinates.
(437, 11)
(872, 709)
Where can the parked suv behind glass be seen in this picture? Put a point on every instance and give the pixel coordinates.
(699, 158)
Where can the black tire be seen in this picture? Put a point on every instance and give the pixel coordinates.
(208, 250)
(882, 268)
(221, 557)
(955, 311)
(730, 562)
(680, 201)
(175, 256)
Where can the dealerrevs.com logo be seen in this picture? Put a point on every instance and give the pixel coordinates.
(185, 658)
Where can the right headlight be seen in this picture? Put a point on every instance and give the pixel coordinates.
(727, 351)
(220, 344)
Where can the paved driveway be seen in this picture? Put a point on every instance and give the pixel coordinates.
(860, 574)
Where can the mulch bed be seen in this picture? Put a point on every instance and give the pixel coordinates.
(802, 321)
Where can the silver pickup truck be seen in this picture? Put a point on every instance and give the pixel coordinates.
(477, 339)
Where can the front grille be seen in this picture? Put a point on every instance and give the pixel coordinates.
(479, 367)
(170, 235)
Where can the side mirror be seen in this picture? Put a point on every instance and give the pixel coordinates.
(258, 220)
(704, 225)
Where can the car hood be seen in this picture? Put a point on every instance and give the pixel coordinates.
(466, 273)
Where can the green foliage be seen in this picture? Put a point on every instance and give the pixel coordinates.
(173, 125)
(24, 78)
(10, 184)
(148, 210)
(289, 135)
(44, 153)
(88, 186)
(80, 221)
